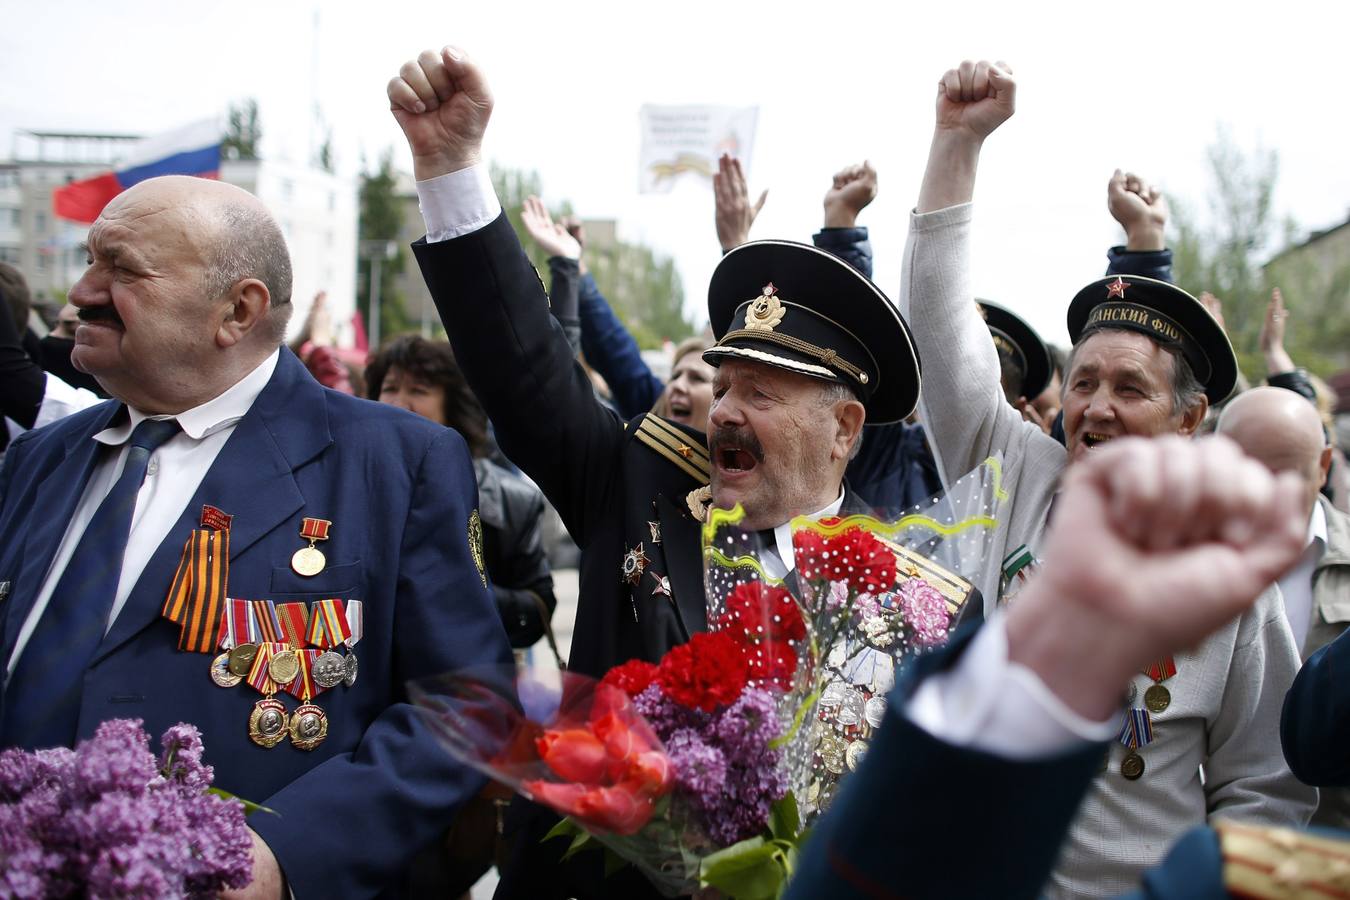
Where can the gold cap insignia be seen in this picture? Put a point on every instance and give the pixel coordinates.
(765, 311)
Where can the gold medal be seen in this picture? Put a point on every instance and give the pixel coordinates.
(267, 724)
(284, 666)
(309, 726)
(1132, 766)
(1157, 698)
(241, 659)
(221, 674)
(832, 750)
(308, 561)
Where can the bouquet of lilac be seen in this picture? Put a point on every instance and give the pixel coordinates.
(109, 820)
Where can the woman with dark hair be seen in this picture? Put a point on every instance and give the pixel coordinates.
(421, 376)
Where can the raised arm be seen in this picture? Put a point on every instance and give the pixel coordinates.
(1141, 210)
(962, 404)
(733, 211)
(851, 190)
(564, 266)
(513, 352)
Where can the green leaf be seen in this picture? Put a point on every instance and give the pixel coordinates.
(784, 819)
(579, 843)
(565, 828)
(249, 806)
(749, 870)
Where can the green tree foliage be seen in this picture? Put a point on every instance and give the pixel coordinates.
(243, 132)
(643, 286)
(1225, 256)
(381, 220)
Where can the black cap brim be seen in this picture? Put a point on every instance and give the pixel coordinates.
(1035, 355)
(837, 295)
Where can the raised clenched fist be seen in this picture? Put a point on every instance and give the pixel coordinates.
(442, 103)
(851, 190)
(976, 98)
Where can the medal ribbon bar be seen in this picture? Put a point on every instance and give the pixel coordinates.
(328, 625)
(197, 592)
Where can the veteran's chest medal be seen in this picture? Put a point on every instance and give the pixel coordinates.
(309, 561)
(308, 726)
(221, 674)
(329, 670)
(268, 724)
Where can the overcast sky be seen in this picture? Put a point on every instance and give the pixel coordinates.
(1138, 85)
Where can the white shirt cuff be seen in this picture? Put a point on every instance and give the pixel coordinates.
(990, 704)
(458, 203)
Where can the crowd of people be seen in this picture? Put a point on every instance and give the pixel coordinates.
(1148, 687)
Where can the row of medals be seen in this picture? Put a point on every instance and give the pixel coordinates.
(843, 726)
(270, 724)
(1156, 699)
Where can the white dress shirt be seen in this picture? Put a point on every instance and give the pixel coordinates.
(59, 399)
(1296, 585)
(984, 701)
(172, 477)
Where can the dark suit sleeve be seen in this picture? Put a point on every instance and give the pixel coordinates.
(1315, 724)
(849, 244)
(564, 277)
(1148, 263)
(525, 579)
(365, 814)
(517, 360)
(905, 823)
(611, 351)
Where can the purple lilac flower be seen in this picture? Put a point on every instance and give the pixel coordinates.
(665, 715)
(745, 728)
(741, 810)
(925, 612)
(700, 769)
(101, 821)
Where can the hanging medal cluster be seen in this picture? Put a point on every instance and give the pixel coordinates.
(287, 648)
(1136, 732)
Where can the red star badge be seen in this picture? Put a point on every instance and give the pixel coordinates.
(1116, 289)
(769, 290)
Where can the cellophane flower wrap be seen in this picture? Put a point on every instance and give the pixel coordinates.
(108, 819)
(866, 592)
(665, 764)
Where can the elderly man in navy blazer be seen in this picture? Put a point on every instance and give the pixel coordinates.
(223, 472)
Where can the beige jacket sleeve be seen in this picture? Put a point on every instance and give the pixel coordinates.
(961, 404)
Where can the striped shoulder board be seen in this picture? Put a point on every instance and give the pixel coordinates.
(672, 444)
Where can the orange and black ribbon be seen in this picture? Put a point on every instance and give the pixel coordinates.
(1161, 670)
(197, 595)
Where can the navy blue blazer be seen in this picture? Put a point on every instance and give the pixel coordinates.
(399, 491)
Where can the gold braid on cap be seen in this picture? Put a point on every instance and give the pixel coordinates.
(827, 357)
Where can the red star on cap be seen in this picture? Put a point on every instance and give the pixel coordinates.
(769, 289)
(1116, 289)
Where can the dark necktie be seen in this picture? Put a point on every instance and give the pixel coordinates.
(42, 698)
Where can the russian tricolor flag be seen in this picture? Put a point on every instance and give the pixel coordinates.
(193, 150)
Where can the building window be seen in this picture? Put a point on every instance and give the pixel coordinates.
(39, 221)
(9, 217)
(9, 255)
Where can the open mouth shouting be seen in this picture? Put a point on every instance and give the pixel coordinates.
(681, 410)
(1093, 438)
(735, 453)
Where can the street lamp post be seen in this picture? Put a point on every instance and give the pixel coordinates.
(376, 252)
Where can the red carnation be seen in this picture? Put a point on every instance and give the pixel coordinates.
(855, 556)
(772, 664)
(708, 672)
(762, 611)
(632, 677)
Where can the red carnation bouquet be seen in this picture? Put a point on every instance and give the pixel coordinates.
(858, 596)
(690, 767)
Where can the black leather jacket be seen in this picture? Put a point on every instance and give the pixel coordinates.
(513, 548)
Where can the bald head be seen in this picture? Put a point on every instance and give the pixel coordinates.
(188, 289)
(238, 236)
(1282, 430)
